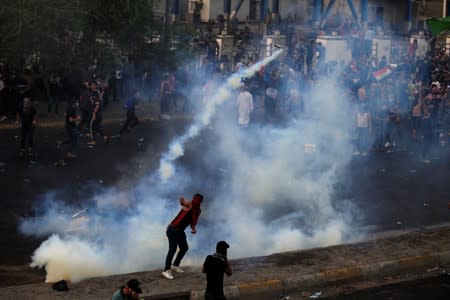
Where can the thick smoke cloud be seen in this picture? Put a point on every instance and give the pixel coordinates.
(264, 193)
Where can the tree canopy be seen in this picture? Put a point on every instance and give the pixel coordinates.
(74, 33)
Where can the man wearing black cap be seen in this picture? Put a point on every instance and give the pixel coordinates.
(215, 266)
(129, 291)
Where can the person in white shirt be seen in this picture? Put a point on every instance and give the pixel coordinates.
(245, 106)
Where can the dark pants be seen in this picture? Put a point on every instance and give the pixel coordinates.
(131, 121)
(96, 127)
(26, 136)
(166, 103)
(85, 119)
(177, 238)
(211, 297)
(427, 126)
(53, 101)
(72, 134)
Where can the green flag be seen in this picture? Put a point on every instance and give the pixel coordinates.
(438, 25)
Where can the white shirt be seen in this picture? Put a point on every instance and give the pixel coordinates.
(362, 120)
(245, 104)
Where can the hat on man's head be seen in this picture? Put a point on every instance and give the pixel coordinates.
(222, 247)
(134, 285)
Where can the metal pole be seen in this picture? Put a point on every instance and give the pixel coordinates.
(175, 10)
(353, 10)
(326, 13)
(410, 16)
(236, 9)
(166, 24)
(227, 9)
(444, 8)
(263, 10)
(317, 11)
(364, 11)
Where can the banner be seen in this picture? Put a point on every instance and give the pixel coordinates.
(382, 73)
(438, 25)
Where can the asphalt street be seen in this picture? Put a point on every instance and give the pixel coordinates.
(388, 191)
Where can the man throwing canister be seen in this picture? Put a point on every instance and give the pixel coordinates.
(188, 216)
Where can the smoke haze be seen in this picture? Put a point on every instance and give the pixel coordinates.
(263, 193)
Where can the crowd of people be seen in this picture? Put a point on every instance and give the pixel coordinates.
(407, 107)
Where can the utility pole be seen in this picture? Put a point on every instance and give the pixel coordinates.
(444, 8)
(166, 24)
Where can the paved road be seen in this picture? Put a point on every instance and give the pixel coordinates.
(390, 191)
(434, 288)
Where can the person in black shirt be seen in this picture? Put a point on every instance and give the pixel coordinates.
(26, 116)
(215, 266)
(72, 118)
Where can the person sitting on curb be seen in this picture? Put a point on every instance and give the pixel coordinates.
(129, 291)
(215, 266)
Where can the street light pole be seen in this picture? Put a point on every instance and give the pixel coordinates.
(166, 24)
(444, 8)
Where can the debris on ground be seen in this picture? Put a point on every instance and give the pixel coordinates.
(399, 223)
(60, 286)
(432, 269)
(426, 204)
(305, 294)
(141, 140)
(100, 181)
(27, 180)
(316, 295)
(60, 163)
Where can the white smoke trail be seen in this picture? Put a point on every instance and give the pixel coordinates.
(167, 169)
(271, 197)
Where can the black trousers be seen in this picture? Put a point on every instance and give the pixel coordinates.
(26, 136)
(96, 127)
(177, 238)
(131, 121)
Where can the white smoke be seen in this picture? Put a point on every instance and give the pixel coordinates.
(263, 193)
(222, 94)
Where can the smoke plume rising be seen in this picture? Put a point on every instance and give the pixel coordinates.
(263, 192)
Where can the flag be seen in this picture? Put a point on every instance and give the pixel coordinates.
(382, 73)
(438, 25)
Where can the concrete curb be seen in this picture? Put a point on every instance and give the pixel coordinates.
(377, 270)
(273, 286)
